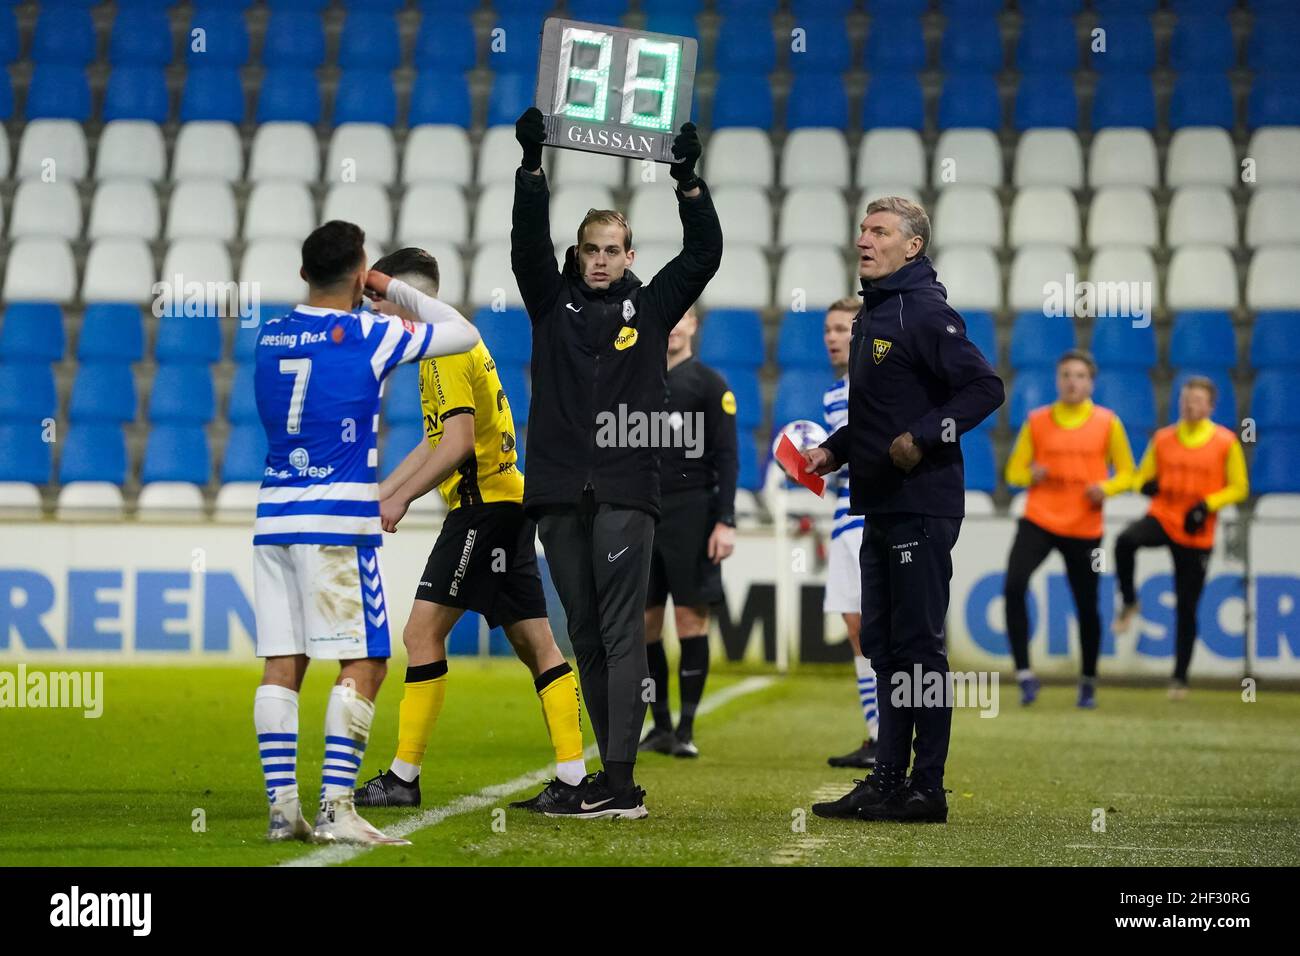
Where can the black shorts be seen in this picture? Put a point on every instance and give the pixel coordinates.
(485, 560)
(680, 566)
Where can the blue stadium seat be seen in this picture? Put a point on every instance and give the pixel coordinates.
(1037, 8)
(514, 380)
(1272, 47)
(743, 99)
(1272, 403)
(103, 393)
(1202, 43)
(522, 36)
(598, 11)
(370, 41)
(799, 343)
(1124, 99)
(177, 453)
(1274, 100)
(911, 8)
(987, 8)
(508, 335)
(1030, 388)
(24, 455)
(980, 329)
(111, 332)
(817, 100)
(58, 92)
(402, 395)
(1274, 343)
(763, 8)
(741, 48)
(93, 452)
(6, 96)
(1046, 100)
(970, 100)
(27, 392)
(225, 38)
(1107, 7)
(1202, 100)
(1130, 46)
(65, 35)
(1038, 340)
(512, 93)
(182, 394)
(521, 438)
(443, 98)
(799, 396)
(9, 40)
(1047, 44)
(1203, 340)
(365, 96)
(533, 8)
(1225, 410)
(894, 44)
(443, 6)
(1130, 395)
(398, 441)
(141, 37)
(977, 453)
(245, 454)
(971, 45)
(289, 94)
(32, 331)
(242, 407)
(137, 92)
(826, 46)
(1219, 7)
(1276, 467)
(678, 24)
(1118, 343)
(294, 38)
(893, 101)
(445, 44)
(244, 346)
(748, 476)
(744, 384)
(184, 339)
(1260, 7)
(314, 6)
(732, 337)
(212, 93)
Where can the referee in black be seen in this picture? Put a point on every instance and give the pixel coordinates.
(600, 341)
(695, 534)
(916, 385)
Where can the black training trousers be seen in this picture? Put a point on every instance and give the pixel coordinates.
(1190, 567)
(1030, 549)
(599, 557)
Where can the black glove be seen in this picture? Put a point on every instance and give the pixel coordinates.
(1196, 516)
(1151, 488)
(530, 130)
(687, 149)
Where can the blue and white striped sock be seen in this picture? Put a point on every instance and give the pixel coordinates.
(867, 695)
(275, 716)
(347, 729)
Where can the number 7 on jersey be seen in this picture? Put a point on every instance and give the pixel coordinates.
(300, 369)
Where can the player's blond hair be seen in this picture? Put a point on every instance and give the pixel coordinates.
(606, 217)
(847, 304)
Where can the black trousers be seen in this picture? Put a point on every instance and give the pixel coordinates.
(1190, 567)
(1030, 549)
(906, 571)
(600, 562)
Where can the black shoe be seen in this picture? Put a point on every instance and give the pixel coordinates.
(909, 805)
(657, 740)
(867, 793)
(683, 745)
(387, 789)
(557, 797)
(597, 801)
(863, 758)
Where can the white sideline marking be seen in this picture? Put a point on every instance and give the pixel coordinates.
(488, 796)
(1171, 849)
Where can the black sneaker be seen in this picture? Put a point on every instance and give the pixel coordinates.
(683, 745)
(556, 797)
(909, 805)
(866, 793)
(598, 801)
(657, 740)
(387, 789)
(863, 758)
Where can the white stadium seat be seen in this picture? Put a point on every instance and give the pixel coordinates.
(1122, 156)
(19, 499)
(966, 157)
(979, 504)
(80, 500)
(365, 204)
(815, 157)
(650, 256)
(131, 149)
(490, 278)
(46, 209)
(198, 260)
(202, 209)
(1201, 215)
(432, 210)
(1128, 264)
(644, 174)
(492, 212)
(891, 156)
(744, 212)
(1121, 215)
(571, 167)
(284, 151)
(40, 269)
(363, 153)
(273, 264)
(880, 191)
(279, 210)
(437, 154)
(1127, 507)
(118, 270)
(972, 277)
(1273, 281)
(814, 276)
(967, 215)
(808, 214)
(60, 142)
(1201, 277)
(1043, 214)
(1201, 156)
(451, 268)
(1048, 157)
(237, 501)
(1274, 150)
(4, 152)
(569, 205)
(498, 156)
(125, 207)
(1278, 506)
(1273, 217)
(738, 156)
(743, 281)
(208, 149)
(653, 216)
(1032, 269)
(170, 501)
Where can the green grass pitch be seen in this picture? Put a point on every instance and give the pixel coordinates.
(1208, 781)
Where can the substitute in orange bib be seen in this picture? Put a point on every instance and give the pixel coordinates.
(1064, 454)
(1191, 470)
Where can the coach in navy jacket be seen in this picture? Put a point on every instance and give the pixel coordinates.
(916, 385)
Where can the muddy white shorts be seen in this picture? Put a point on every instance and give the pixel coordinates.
(844, 574)
(322, 600)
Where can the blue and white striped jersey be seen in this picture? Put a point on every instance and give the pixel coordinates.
(318, 379)
(835, 409)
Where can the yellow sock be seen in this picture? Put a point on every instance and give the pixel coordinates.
(562, 710)
(421, 704)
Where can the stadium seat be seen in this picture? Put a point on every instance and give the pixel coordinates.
(284, 151)
(1273, 280)
(970, 100)
(212, 94)
(170, 501)
(812, 214)
(1276, 466)
(273, 264)
(977, 453)
(245, 453)
(972, 277)
(365, 96)
(442, 99)
(288, 95)
(118, 270)
(244, 345)
(4, 140)
(1225, 411)
(1273, 217)
(1121, 215)
(225, 36)
(655, 220)
(969, 45)
(518, 53)
(131, 149)
(362, 152)
(980, 330)
(508, 335)
(1135, 269)
(741, 49)
(294, 38)
(372, 38)
(569, 204)
(103, 393)
(570, 167)
(93, 451)
(241, 406)
(1047, 43)
(125, 208)
(971, 157)
(437, 154)
(742, 282)
(743, 383)
(141, 36)
(57, 145)
(279, 210)
(495, 164)
(1201, 215)
(743, 99)
(967, 215)
(1030, 389)
(24, 455)
(186, 339)
(815, 157)
(748, 478)
(814, 275)
(111, 332)
(893, 101)
(748, 214)
(208, 150)
(512, 93)
(1032, 269)
(490, 278)
(1270, 48)
(1275, 340)
(1124, 100)
(65, 35)
(136, 93)
(514, 382)
(882, 191)
(45, 209)
(799, 396)
(40, 270)
(737, 157)
(202, 209)
(433, 210)
(891, 156)
(895, 43)
(451, 269)
(10, 41)
(1201, 100)
(492, 214)
(1279, 505)
(1201, 156)
(1129, 394)
(817, 100)
(1130, 46)
(445, 43)
(1202, 42)
(732, 337)
(1038, 340)
(1272, 402)
(1274, 101)
(176, 453)
(1042, 214)
(826, 47)
(799, 342)
(32, 332)
(363, 203)
(57, 91)
(27, 393)
(1046, 100)
(1201, 277)
(182, 394)
(1118, 343)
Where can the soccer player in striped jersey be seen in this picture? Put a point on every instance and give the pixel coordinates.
(1064, 454)
(843, 574)
(317, 585)
(1192, 469)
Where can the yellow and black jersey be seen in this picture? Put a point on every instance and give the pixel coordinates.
(467, 383)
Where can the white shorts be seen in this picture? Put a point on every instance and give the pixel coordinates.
(322, 600)
(844, 574)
